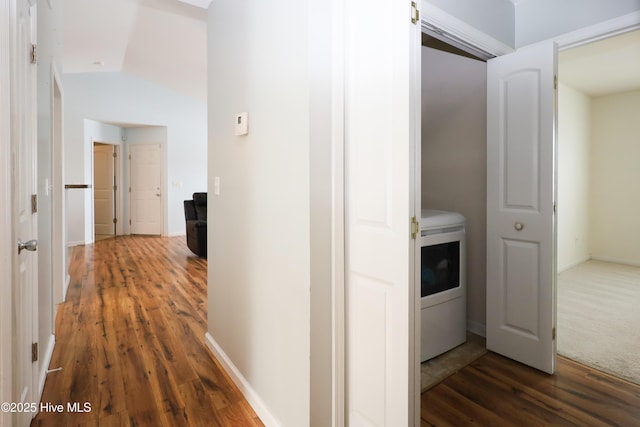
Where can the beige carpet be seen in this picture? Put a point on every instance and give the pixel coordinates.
(435, 370)
(599, 317)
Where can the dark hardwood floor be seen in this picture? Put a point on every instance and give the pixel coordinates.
(496, 391)
(130, 341)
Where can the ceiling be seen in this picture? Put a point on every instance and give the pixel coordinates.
(162, 41)
(607, 66)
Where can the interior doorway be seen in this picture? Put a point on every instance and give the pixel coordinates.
(598, 250)
(453, 183)
(106, 185)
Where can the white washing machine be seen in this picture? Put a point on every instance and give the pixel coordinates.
(442, 275)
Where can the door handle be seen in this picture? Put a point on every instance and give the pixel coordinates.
(31, 245)
(158, 194)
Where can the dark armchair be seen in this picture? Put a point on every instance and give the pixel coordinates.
(195, 213)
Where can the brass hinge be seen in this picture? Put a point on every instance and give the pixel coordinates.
(415, 13)
(115, 220)
(34, 54)
(555, 81)
(553, 334)
(34, 203)
(129, 222)
(115, 187)
(415, 228)
(34, 352)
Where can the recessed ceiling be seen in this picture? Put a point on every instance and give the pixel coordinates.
(162, 41)
(607, 66)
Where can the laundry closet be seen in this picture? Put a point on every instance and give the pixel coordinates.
(452, 270)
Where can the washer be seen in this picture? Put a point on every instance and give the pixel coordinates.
(442, 272)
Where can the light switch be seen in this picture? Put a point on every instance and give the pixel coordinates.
(242, 123)
(216, 185)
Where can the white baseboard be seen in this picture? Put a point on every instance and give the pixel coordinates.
(45, 360)
(477, 328)
(254, 399)
(178, 234)
(633, 263)
(573, 264)
(75, 243)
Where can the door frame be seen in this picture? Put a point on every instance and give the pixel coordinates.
(163, 186)
(433, 17)
(58, 220)
(118, 193)
(6, 245)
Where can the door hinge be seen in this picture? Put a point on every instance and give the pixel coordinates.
(553, 334)
(34, 54)
(415, 228)
(115, 187)
(415, 13)
(34, 203)
(129, 189)
(129, 156)
(34, 352)
(114, 154)
(129, 222)
(555, 81)
(115, 220)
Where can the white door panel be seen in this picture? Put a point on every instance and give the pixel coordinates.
(520, 205)
(23, 139)
(145, 166)
(379, 136)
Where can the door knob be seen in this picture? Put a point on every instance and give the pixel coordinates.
(31, 245)
(519, 226)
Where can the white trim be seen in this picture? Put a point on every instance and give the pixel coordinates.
(338, 221)
(177, 234)
(254, 399)
(6, 244)
(58, 220)
(45, 360)
(452, 27)
(573, 264)
(76, 243)
(633, 263)
(601, 30)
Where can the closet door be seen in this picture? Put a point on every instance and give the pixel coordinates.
(521, 146)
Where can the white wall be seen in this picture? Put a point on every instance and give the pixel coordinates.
(454, 157)
(269, 233)
(542, 19)
(49, 56)
(574, 141)
(615, 166)
(123, 99)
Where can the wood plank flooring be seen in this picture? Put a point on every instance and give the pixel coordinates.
(130, 341)
(495, 391)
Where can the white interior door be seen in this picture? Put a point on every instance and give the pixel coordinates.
(381, 50)
(103, 189)
(23, 138)
(145, 172)
(520, 205)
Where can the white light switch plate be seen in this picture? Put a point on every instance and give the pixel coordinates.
(242, 123)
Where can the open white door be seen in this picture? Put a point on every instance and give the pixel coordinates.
(520, 205)
(25, 260)
(380, 54)
(104, 189)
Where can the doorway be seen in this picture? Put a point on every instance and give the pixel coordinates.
(145, 189)
(598, 250)
(453, 180)
(106, 186)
